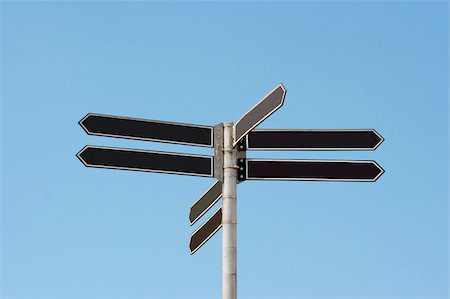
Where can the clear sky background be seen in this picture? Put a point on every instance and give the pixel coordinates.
(68, 231)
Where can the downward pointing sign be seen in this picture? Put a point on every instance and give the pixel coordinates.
(206, 231)
(262, 110)
(205, 202)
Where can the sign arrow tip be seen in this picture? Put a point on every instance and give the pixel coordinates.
(380, 139)
(282, 87)
(79, 155)
(381, 170)
(82, 121)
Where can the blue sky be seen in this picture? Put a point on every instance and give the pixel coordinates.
(72, 232)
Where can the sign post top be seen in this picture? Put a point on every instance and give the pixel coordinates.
(262, 110)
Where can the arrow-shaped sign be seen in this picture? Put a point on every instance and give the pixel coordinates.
(310, 170)
(262, 110)
(205, 202)
(143, 129)
(206, 231)
(313, 140)
(131, 159)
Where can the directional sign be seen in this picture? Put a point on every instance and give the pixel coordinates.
(313, 140)
(143, 129)
(312, 170)
(205, 202)
(263, 109)
(206, 231)
(131, 159)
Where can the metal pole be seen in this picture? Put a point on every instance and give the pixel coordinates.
(229, 219)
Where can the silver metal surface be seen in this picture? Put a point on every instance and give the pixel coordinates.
(229, 217)
(218, 152)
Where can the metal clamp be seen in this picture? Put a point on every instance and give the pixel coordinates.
(218, 152)
(242, 169)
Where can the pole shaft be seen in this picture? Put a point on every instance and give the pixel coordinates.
(229, 218)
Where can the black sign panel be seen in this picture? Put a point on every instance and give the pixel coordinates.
(263, 109)
(151, 130)
(313, 170)
(130, 159)
(206, 231)
(313, 140)
(205, 202)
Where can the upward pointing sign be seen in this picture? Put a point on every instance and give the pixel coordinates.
(262, 110)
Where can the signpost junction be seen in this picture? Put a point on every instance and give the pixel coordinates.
(229, 165)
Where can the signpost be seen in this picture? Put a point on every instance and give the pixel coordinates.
(229, 164)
